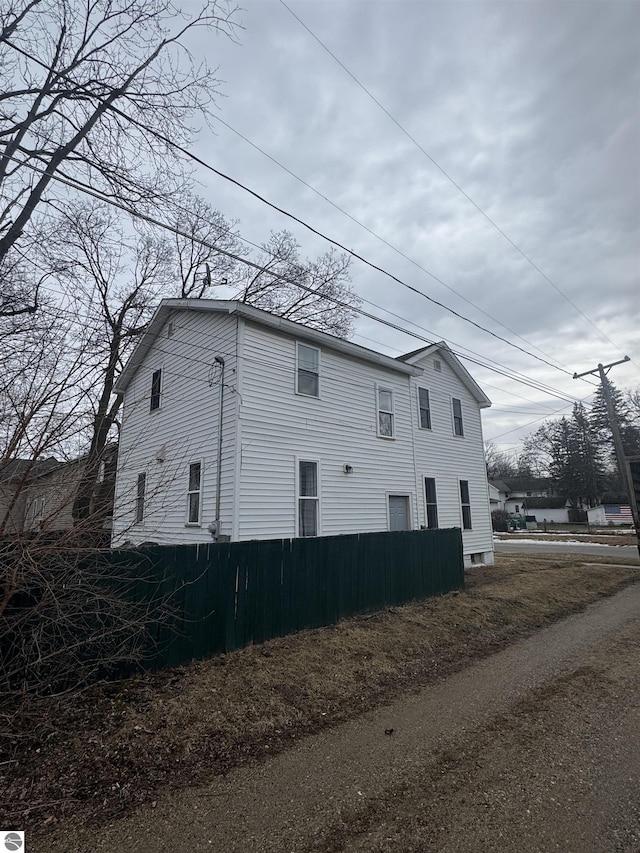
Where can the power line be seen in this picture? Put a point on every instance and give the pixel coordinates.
(448, 176)
(75, 184)
(379, 237)
(185, 152)
(535, 421)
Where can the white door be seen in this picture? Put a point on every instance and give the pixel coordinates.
(399, 512)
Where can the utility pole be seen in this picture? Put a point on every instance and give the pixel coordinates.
(617, 439)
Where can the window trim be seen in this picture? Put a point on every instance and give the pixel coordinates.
(453, 417)
(198, 491)
(463, 505)
(141, 495)
(299, 497)
(158, 396)
(428, 503)
(379, 411)
(428, 409)
(298, 368)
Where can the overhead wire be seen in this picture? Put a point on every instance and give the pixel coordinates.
(77, 185)
(380, 237)
(450, 178)
(189, 154)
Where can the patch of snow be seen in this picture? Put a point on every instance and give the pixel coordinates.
(564, 542)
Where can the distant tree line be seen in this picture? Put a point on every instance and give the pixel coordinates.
(576, 452)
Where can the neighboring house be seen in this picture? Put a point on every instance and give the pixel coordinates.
(496, 498)
(533, 497)
(41, 493)
(319, 436)
(16, 478)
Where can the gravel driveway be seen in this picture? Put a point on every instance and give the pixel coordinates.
(536, 748)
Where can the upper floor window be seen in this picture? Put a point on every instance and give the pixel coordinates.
(156, 387)
(194, 493)
(424, 408)
(458, 428)
(385, 413)
(466, 504)
(307, 370)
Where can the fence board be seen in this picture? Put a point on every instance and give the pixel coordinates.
(225, 596)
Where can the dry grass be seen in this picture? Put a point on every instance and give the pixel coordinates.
(117, 745)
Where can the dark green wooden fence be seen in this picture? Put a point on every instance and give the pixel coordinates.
(224, 596)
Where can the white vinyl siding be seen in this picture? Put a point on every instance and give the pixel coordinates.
(307, 370)
(183, 430)
(340, 428)
(447, 458)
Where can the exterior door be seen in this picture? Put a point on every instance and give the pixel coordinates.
(399, 512)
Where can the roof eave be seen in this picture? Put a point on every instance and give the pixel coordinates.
(260, 317)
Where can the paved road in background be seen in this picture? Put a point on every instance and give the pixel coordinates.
(512, 547)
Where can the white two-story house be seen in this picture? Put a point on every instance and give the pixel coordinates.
(238, 424)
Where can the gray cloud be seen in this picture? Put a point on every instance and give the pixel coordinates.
(531, 107)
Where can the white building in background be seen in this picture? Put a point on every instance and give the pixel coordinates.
(319, 436)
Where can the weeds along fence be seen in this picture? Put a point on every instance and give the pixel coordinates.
(229, 595)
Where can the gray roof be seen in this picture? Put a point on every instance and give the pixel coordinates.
(16, 468)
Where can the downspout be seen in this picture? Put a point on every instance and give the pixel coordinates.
(220, 361)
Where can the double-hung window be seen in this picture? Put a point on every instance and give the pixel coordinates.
(385, 413)
(466, 504)
(424, 408)
(431, 502)
(194, 493)
(156, 387)
(141, 486)
(458, 428)
(307, 370)
(308, 499)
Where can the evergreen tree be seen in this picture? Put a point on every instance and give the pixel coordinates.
(601, 430)
(569, 452)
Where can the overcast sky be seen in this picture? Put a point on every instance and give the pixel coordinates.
(532, 108)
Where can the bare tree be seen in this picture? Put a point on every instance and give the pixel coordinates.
(203, 258)
(316, 293)
(114, 272)
(91, 93)
(499, 464)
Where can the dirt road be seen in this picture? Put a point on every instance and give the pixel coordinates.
(536, 748)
